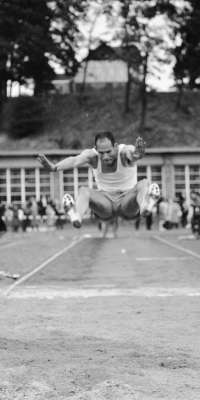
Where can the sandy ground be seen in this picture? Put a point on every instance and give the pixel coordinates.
(114, 319)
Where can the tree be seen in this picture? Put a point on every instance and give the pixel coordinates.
(127, 46)
(66, 31)
(138, 27)
(35, 35)
(187, 52)
(35, 44)
(26, 42)
(26, 116)
(8, 26)
(93, 12)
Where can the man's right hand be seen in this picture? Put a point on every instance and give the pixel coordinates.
(46, 163)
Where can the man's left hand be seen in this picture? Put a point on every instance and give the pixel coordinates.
(140, 146)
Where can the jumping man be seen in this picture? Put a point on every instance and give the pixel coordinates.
(115, 173)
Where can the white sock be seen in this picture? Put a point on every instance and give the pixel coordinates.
(73, 215)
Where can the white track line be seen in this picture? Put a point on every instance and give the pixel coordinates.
(10, 244)
(161, 258)
(70, 293)
(177, 247)
(44, 264)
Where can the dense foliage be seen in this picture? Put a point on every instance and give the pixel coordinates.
(36, 34)
(23, 117)
(187, 53)
(33, 35)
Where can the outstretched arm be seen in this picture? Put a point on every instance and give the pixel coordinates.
(131, 153)
(46, 163)
(86, 157)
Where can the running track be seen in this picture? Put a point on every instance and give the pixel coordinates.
(74, 263)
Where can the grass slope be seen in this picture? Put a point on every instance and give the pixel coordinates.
(69, 124)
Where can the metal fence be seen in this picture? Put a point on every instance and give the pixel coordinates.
(17, 185)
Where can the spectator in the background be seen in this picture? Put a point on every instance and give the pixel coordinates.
(34, 213)
(149, 221)
(42, 204)
(60, 217)
(2, 218)
(31, 213)
(137, 222)
(194, 203)
(27, 217)
(105, 226)
(15, 219)
(21, 218)
(184, 209)
(8, 217)
(173, 214)
(162, 213)
(50, 214)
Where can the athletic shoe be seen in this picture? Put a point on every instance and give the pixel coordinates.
(150, 198)
(69, 207)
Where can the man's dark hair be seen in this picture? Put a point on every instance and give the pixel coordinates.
(105, 135)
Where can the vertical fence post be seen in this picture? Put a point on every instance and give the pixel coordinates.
(169, 178)
(8, 186)
(37, 183)
(75, 182)
(187, 184)
(23, 192)
(149, 173)
(90, 178)
(61, 186)
(163, 193)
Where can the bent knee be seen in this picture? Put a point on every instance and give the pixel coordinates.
(129, 215)
(84, 190)
(104, 213)
(143, 182)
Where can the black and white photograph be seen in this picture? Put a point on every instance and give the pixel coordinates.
(99, 199)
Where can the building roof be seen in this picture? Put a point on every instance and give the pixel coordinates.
(61, 77)
(106, 52)
(155, 150)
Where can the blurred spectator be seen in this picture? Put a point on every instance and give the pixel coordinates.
(34, 213)
(2, 218)
(173, 214)
(149, 220)
(21, 217)
(42, 204)
(8, 217)
(27, 220)
(15, 219)
(60, 215)
(184, 209)
(137, 222)
(113, 224)
(51, 215)
(194, 202)
(162, 212)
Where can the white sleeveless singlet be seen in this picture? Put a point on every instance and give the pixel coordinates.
(123, 179)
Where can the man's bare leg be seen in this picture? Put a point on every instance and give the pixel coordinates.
(87, 198)
(142, 198)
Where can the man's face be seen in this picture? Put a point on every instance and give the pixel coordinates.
(107, 152)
